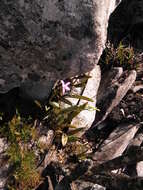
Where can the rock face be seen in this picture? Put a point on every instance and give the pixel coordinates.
(127, 21)
(116, 143)
(45, 40)
(86, 117)
(114, 86)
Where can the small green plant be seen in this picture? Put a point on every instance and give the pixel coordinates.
(125, 55)
(121, 56)
(26, 175)
(21, 157)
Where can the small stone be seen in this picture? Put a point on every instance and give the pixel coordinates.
(45, 141)
(137, 88)
(139, 169)
(98, 187)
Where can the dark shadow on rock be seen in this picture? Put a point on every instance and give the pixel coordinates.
(28, 108)
(8, 104)
(11, 101)
(98, 134)
(119, 23)
(136, 36)
(126, 24)
(51, 172)
(44, 185)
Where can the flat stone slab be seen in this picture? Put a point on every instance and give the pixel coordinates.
(113, 94)
(116, 143)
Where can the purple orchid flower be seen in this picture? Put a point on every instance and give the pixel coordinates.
(65, 87)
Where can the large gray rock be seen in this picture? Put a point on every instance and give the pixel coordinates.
(45, 40)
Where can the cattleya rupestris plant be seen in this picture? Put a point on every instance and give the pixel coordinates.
(61, 110)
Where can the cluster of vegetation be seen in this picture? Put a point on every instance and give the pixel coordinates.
(22, 160)
(121, 56)
(22, 136)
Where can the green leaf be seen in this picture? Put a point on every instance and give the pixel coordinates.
(65, 101)
(85, 76)
(81, 97)
(72, 126)
(61, 119)
(77, 111)
(47, 108)
(46, 117)
(72, 138)
(64, 139)
(54, 104)
(92, 108)
(69, 109)
(38, 104)
(75, 131)
(81, 84)
(75, 108)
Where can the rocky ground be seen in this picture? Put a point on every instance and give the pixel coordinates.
(117, 130)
